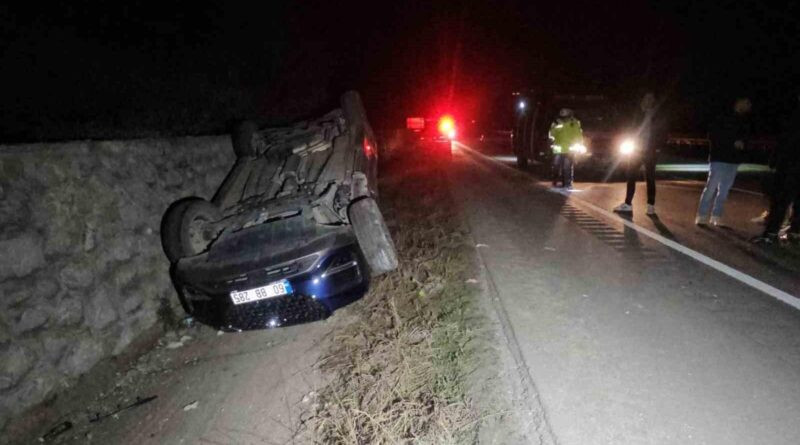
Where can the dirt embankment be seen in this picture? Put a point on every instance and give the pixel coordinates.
(400, 370)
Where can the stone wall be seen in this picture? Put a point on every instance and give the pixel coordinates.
(82, 272)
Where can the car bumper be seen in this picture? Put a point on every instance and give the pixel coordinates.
(322, 281)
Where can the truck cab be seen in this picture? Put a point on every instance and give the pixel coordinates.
(535, 111)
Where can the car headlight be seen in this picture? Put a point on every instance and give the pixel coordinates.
(627, 147)
(577, 148)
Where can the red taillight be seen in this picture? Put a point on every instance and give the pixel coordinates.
(447, 126)
(369, 150)
(415, 123)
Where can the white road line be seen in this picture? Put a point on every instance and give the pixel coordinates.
(772, 291)
(736, 274)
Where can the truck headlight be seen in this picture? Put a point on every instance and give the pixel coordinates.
(627, 147)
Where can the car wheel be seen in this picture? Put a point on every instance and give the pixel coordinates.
(373, 236)
(242, 139)
(187, 229)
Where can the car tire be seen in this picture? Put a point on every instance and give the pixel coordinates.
(373, 236)
(184, 229)
(242, 139)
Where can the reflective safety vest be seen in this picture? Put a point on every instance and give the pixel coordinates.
(564, 133)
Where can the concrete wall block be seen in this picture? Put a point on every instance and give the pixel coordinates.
(5, 332)
(69, 310)
(131, 302)
(54, 344)
(31, 390)
(60, 212)
(15, 212)
(77, 275)
(30, 319)
(84, 353)
(21, 255)
(126, 337)
(121, 276)
(46, 287)
(172, 178)
(100, 310)
(121, 247)
(82, 271)
(14, 292)
(15, 361)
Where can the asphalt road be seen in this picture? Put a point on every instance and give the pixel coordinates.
(625, 339)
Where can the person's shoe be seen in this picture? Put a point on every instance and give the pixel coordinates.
(568, 187)
(716, 221)
(701, 220)
(767, 238)
(651, 209)
(624, 208)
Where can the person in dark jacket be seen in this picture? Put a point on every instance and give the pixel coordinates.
(727, 137)
(786, 189)
(651, 133)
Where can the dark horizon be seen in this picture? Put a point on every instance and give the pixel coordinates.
(191, 67)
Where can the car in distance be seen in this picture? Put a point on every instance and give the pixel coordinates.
(435, 135)
(293, 232)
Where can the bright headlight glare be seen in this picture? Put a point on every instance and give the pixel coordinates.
(577, 148)
(628, 146)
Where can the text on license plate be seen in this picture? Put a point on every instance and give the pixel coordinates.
(275, 289)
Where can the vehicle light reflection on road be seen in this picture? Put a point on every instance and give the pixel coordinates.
(674, 168)
(506, 159)
(689, 168)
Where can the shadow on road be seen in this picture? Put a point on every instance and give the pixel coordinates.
(661, 227)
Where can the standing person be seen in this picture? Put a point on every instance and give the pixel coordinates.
(650, 135)
(565, 134)
(727, 137)
(786, 185)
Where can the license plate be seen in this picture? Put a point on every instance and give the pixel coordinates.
(271, 290)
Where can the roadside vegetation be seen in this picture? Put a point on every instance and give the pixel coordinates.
(399, 372)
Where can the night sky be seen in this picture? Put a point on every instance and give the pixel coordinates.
(141, 69)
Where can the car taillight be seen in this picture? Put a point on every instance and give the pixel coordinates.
(447, 126)
(369, 150)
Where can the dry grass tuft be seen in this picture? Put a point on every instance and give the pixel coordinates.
(400, 370)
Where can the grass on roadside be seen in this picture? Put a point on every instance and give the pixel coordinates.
(399, 372)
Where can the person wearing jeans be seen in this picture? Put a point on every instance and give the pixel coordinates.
(727, 143)
(720, 180)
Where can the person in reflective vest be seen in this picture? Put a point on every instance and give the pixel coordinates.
(566, 141)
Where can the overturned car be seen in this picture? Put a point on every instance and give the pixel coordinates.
(294, 231)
